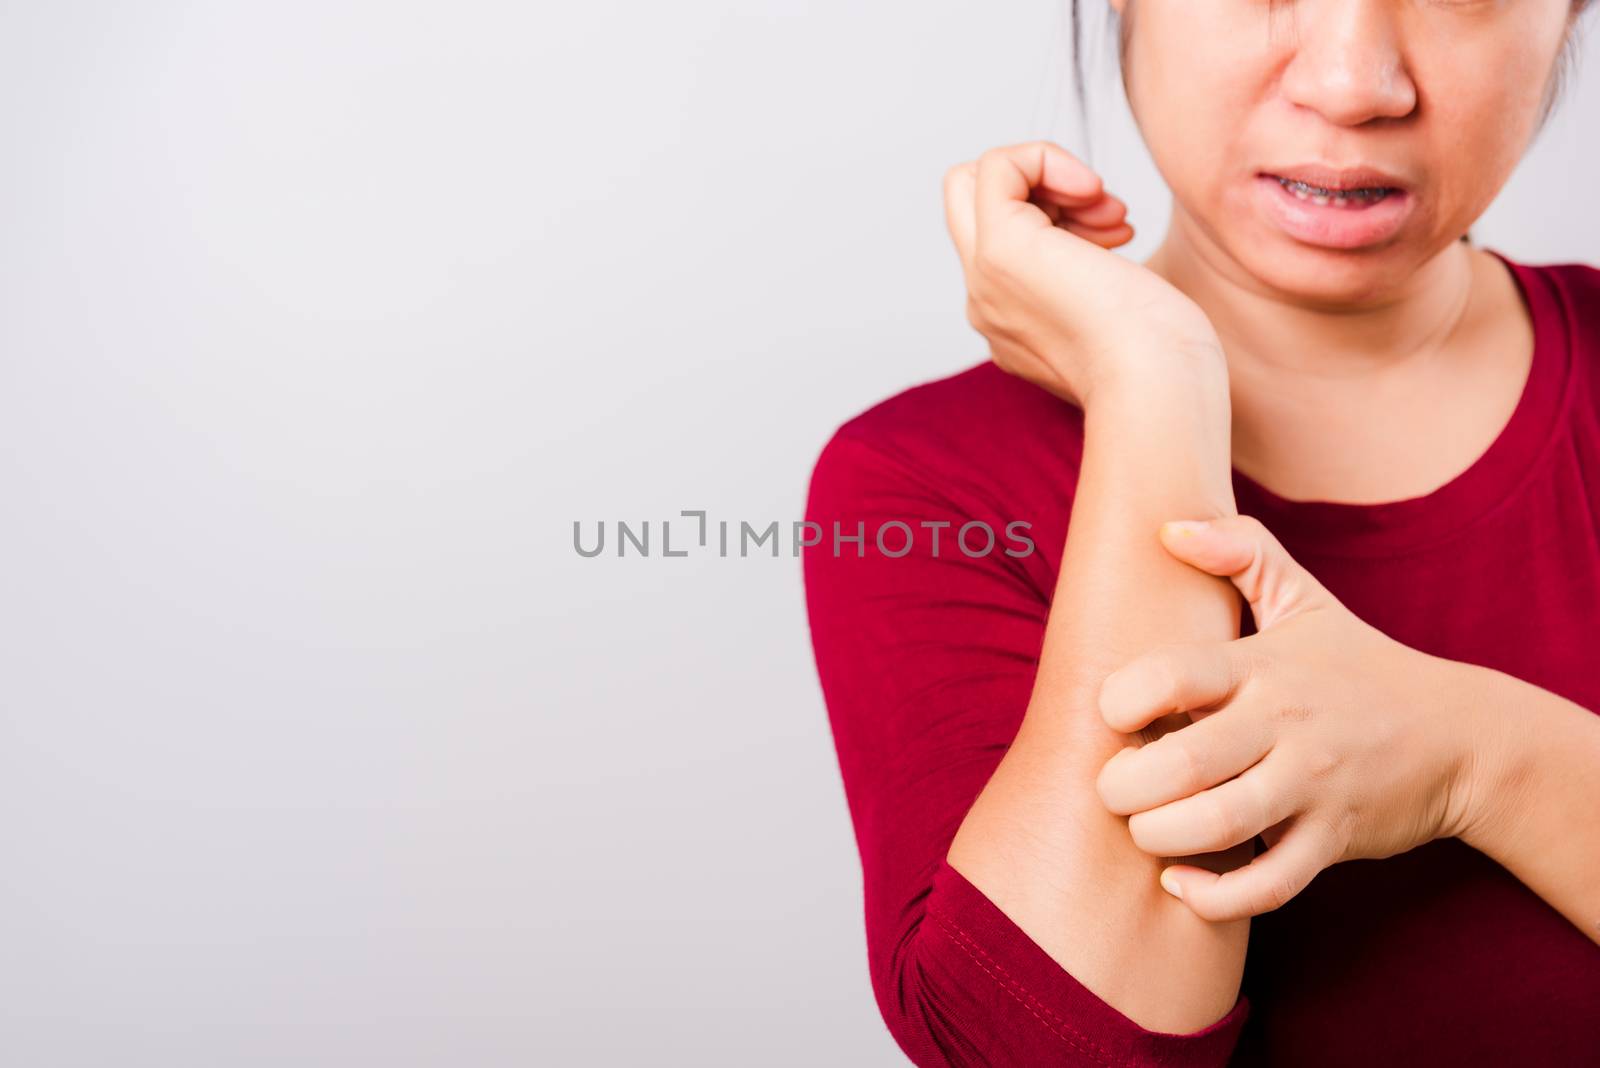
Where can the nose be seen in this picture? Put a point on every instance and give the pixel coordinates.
(1349, 64)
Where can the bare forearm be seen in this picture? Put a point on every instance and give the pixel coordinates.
(1535, 791)
(1039, 842)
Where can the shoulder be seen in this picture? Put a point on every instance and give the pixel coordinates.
(979, 434)
(1567, 288)
(1563, 297)
(1573, 276)
(1579, 286)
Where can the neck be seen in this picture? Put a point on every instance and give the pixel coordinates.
(1306, 373)
(1269, 334)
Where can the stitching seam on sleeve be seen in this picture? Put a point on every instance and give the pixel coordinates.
(1077, 1039)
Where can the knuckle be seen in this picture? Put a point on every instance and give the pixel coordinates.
(1279, 891)
(982, 259)
(1164, 679)
(993, 321)
(989, 260)
(1223, 822)
(1321, 762)
(1288, 710)
(978, 293)
(1257, 663)
(1241, 664)
(1338, 829)
(1191, 766)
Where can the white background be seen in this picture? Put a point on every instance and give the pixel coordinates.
(320, 324)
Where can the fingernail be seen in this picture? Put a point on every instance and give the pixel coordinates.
(1169, 883)
(1185, 528)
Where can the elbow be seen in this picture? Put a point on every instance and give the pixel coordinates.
(949, 1004)
(945, 1008)
(915, 1005)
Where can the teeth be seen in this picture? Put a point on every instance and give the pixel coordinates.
(1338, 198)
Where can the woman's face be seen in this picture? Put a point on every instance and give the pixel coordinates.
(1440, 97)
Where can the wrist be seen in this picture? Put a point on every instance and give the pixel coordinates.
(1144, 372)
(1487, 763)
(1169, 434)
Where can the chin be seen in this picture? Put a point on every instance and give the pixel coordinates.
(1324, 276)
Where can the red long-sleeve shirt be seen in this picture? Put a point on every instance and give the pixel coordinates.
(927, 660)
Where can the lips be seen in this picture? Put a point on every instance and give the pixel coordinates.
(1342, 221)
(1335, 179)
(1343, 198)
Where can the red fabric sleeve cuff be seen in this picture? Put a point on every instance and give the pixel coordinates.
(1024, 973)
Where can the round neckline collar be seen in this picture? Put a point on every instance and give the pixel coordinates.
(1347, 529)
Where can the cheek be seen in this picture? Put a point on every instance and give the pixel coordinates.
(1478, 128)
(1188, 104)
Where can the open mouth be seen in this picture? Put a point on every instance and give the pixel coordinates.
(1353, 217)
(1337, 198)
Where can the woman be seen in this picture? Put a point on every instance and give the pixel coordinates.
(1106, 816)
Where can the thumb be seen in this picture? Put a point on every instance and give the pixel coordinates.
(1241, 549)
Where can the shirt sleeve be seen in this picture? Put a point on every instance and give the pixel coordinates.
(926, 662)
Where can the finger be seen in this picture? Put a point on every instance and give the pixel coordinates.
(1104, 212)
(1241, 548)
(1008, 175)
(1101, 212)
(1268, 882)
(1107, 237)
(960, 191)
(1184, 762)
(1170, 678)
(1225, 815)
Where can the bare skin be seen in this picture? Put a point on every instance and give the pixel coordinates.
(1306, 368)
(1335, 418)
(1038, 841)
